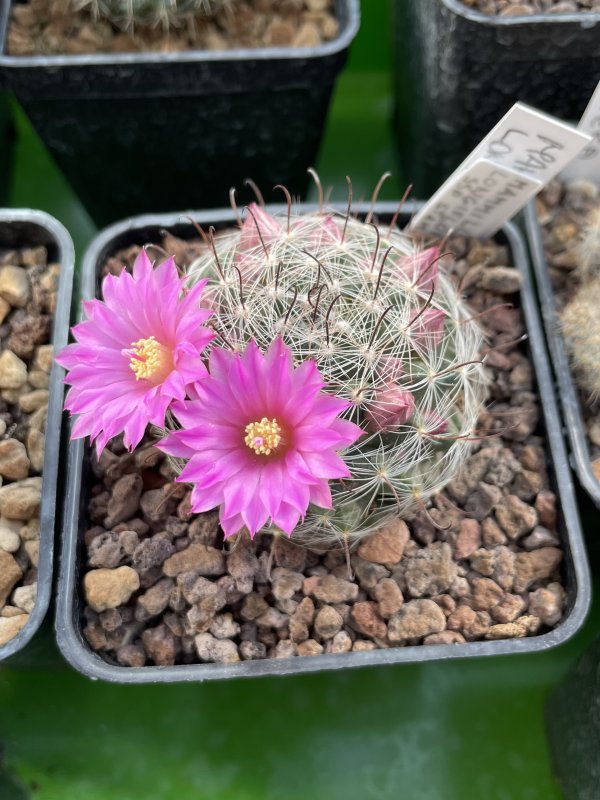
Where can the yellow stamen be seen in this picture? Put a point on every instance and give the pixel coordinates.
(150, 360)
(263, 437)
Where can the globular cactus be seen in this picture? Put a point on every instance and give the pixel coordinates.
(580, 317)
(589, 247)
(388, 331)
(129, 13)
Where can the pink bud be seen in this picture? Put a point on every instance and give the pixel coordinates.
(390, 368)
(429, 326)
(434, 423)
(421, 268)
(392, 406)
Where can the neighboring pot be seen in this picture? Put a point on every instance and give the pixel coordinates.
(573, 726)
(25, 228)
(7, 137)
(464, 70)
(567, 390)
(155, 131)
(70, 638)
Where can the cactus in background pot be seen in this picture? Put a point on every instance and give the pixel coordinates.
(581, 316)
(129, 13)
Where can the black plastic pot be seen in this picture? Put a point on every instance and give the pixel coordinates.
(567, 391)
(7, 137)
(573, 724)
(457, 71)
(154, 131)
(25, 228)
(141, 230)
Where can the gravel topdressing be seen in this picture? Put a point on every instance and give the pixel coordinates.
(483, 562)
(28, 287)
(520, 8)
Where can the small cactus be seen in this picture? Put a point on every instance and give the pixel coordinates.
(581, 327)
(589, 247)
(389, 332)
(129, 13)
(580, 317)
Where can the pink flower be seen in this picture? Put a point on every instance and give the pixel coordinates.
(137, 351)
(261, 438)
(391, 406)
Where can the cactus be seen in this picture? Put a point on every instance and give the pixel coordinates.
(128, 13)
(589, 246)
(580, 318)
(581, 327)
(388, 331)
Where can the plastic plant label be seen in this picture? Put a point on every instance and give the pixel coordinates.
(525, 143)
(587, 163)
(477, 200)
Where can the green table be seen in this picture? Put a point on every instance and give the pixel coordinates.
(444, 731)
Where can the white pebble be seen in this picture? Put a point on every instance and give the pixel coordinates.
(24, 597)
(9, 540)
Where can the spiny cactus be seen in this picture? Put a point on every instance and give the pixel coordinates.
(389, 332)
(589, 246)
(580, 317)
(128, 13)
(581, 327)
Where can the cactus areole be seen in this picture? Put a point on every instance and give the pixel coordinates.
(343, 384)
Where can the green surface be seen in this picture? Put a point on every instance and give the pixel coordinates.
(465, 730)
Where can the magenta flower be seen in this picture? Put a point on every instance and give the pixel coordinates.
(391, 406)
(261, 439)
(137, 351)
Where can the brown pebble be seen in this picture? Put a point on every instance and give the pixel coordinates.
(366, 620)
(330, 589)
(309, 648)
(469, 538)
(387, 545)
(416, 619)
(198, 558)
(327, 622)
(160, 645)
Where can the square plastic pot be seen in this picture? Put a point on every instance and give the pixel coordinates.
(567, 390)
(457, 71)
(141, 230)
(154, 131)
(25, 228)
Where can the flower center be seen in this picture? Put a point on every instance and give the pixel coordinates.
(150, 360)
(263, 436)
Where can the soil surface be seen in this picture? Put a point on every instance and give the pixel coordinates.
(520, 8)
(483, 562)
(563, 212)
(28, 287)
(51, 27)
